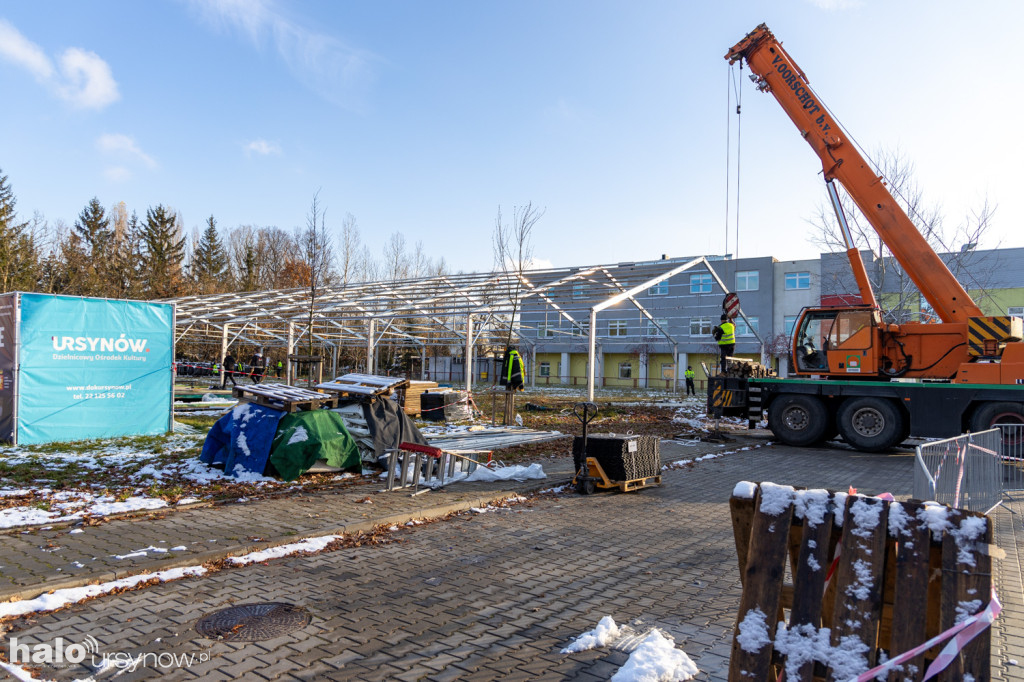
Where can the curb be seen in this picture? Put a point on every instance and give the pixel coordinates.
(31, 591)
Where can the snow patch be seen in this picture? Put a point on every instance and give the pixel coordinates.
(811, 506)
(306, 546)
(300, 435)
(866, 517)
(775, 499)
(656, 658)
(745, 490)
(753, 629)
(61, 598)
(605, 632)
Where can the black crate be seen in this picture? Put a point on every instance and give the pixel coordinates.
(437, 406)
(623, 458)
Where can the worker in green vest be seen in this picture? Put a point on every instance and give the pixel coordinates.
(690, 390)
(725, 334)
(278, 368)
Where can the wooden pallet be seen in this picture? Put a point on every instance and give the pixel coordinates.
(890, 592)
(364, 385)
(413, 405)
(285, 398)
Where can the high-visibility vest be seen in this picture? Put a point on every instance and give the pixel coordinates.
(728, 334)
(280, 364)
(688, 374)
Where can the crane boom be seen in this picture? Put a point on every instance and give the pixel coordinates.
(777, 73)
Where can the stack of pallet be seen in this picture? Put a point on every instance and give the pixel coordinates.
(284, 397)
(363, 386)
(412, 395)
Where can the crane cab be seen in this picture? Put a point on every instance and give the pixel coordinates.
(837, 342)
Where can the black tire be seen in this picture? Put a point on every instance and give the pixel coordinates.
(585, 485)
(988, 415)
(798, 420)
(870, 424)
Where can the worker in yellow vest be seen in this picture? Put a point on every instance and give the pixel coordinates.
(725, 334)
(688, 374)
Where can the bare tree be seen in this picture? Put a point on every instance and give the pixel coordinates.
(349, 244)
(897, 295)
(316, 248)
(513, 253)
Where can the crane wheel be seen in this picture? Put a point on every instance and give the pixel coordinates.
(798, 420)
(870, 424)
(989, 414)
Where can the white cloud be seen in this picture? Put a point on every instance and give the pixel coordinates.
(335, 70)
(17, 49)
(88, 81)
(124, 147)
(262, 147)
(83, 79)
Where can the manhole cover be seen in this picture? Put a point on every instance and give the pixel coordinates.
(253, 622)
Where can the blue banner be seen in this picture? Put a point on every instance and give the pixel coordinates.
(93, 368)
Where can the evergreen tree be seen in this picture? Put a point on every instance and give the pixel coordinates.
(209, 261)
(92, 237)
(163, 252)
(19, 255)
(93, 228)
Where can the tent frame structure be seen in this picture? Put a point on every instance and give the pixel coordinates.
(455, 312)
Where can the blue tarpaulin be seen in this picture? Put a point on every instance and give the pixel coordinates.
(241, 439)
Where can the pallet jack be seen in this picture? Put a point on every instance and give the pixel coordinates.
(590, 475)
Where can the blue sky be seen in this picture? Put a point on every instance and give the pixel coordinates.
(424, 117)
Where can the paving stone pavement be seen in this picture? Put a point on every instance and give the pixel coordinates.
(497, 595)
(36, 561)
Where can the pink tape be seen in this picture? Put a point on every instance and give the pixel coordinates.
(961, 634)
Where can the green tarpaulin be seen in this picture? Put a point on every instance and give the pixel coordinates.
(304, 437)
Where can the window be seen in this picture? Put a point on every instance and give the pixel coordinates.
(700, 326)
(651, 330)
(544, 331)
(788, 323)
(668, 370)
(1016, 311)
(700, 284)
(748, 280)
(581, 329)
(617, 328)
(659, 289)
(625, 370)
(798, 280)
(743, 329)
(545, 369)
(579, 290)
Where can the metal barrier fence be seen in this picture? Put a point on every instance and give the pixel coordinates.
(1013, 457)
(965, 472)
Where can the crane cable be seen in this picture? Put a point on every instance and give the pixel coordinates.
(739, 147)
(733, 86)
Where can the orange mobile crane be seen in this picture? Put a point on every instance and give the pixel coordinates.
(874, 382)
